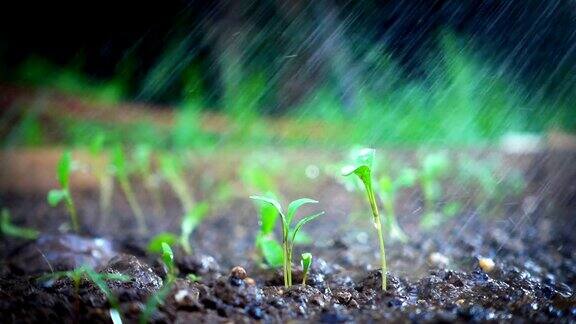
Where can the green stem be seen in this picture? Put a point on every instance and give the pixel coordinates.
(131, 198)
(72, 210)
(378, 225)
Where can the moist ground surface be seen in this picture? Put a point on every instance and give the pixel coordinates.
(435, 276)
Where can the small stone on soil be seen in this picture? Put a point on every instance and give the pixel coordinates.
(238, 272)
(438, 259)
(486, 264)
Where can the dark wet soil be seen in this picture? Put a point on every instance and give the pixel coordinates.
(435, 277)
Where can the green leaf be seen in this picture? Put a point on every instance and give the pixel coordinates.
(55, 196)
(293, 207)
(64, 169)
(386, 185)
(306, 262)
(97, 144)
(119, 161)
(407, 178)
(168, 257)
(435, 165)
(268, 217)
(302, 222)
(170, 166)
(451, 209)
(155, 244)
(9, 229)
(193, 218)
(270, 201)
(272, 252)
(142, 155)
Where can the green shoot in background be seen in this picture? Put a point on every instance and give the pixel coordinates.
(434, 168)
(142, 156)
(190, 222)
(387, 191)
(105, 179)
(306, 263)
(174, 173)
(288, 233)
(9, 229)
(120, 165)
(55, 196)
(362, 170)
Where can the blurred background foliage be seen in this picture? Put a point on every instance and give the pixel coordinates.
(398, 72)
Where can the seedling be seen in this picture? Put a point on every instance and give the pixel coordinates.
(9, 229)
(105, 180)
(306, 262)
(143, 162)
(362, 171)
(98, 279)
(434, 167)
(190, 222)
(269, 249)
(387, 189)
(55, 196)
(121, 169)
(174, 174)
(159, 297)
(288, 233)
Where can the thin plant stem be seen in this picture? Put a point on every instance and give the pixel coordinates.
(73, 214)
(378, 225)
(134, 205)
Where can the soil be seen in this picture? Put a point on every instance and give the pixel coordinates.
(435, 277)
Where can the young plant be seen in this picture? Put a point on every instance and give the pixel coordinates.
(105, 179)
(306, 263)
(143, 162)
(174, 174)
(434, 167)
(55, 196)
(190, 222)
(98, 279)
(289, 233)
(159, 297)
(121, 169)
(362, 170)
(268, 248)
(387, 190)
(9, 229)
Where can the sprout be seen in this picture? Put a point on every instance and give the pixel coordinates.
(55, 196)
(174, 173)
(265, 243)
(434, 167)
(306, 262)
(168, 259)
(9, 229)
(98, 279)
(143, 162)
(119, 162)
(191, 220)
(362, 170)
(104, 178)
(288, 233)
(159, 297)
(387, 189)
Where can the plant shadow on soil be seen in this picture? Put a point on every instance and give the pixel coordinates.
(533, 278)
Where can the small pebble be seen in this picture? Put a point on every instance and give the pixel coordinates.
(438, 259)
(238, 272)
(249, 281)
(486, 264)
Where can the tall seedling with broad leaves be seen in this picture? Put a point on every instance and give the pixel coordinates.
(288, 233)
(55, 196)
(362, 169)
(120, 166)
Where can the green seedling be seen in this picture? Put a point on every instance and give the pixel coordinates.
(98, 279)
(387, 190)
(120, 165)
(173, 172)
(434, 167)
(268, 248)
(289, 233)
(159, 297)
(55, 196)
(306, 263)
(143, 163)
(362, 170)
(105, 179)
(190, 222)
(9, 229)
